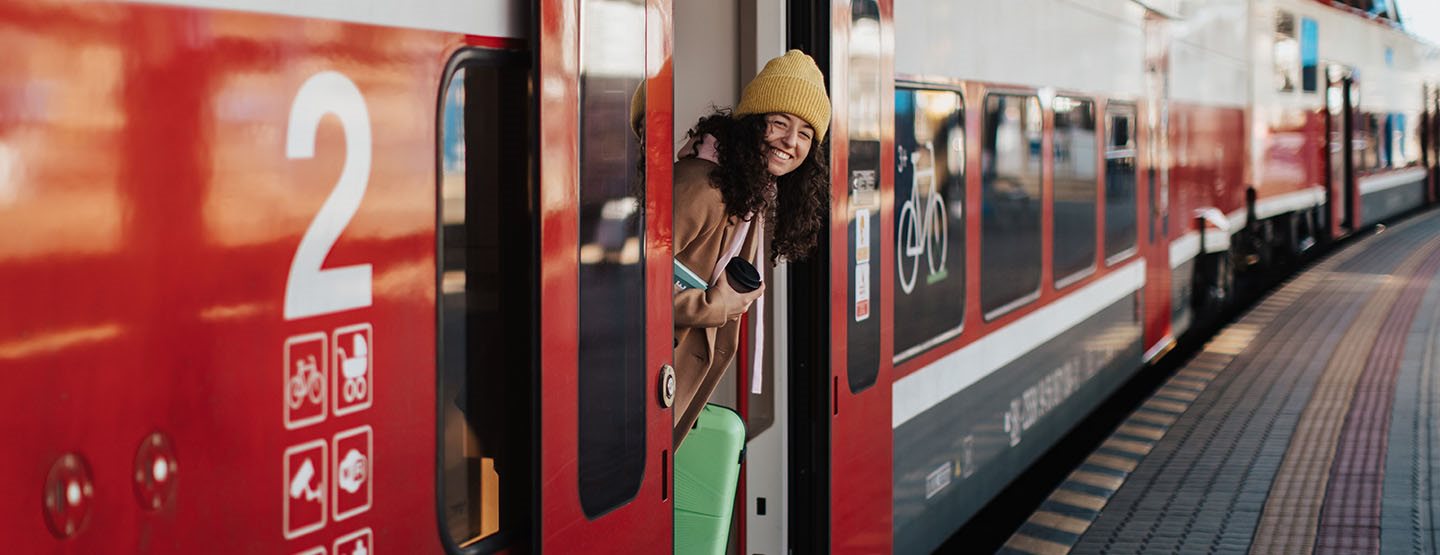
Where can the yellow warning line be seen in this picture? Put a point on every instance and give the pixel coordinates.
(1156, 418)
(1189, 382)
(1060, 522)
(1168, 406)
(1146, 432)
(1112, 462)
(1027, 544)
(1128, 446)
(1096, 479)
(1077, 499)
(1175, 392)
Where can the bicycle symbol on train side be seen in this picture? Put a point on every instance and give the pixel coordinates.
(923, 224)
(307, 382)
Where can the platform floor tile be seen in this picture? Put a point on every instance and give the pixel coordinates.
(1311, 425)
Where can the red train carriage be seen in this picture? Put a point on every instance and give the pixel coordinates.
(382, 278)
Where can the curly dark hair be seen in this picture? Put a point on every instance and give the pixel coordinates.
(796, 212)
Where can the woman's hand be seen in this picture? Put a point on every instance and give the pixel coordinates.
(735, 303)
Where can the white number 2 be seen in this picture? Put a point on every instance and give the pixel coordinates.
(311, 291)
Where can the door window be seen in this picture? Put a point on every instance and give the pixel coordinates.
(486, 301)
(1074, 181)
(1010, 203)
(611, 254)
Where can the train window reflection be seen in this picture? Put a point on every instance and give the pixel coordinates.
(1074, 181)
(487, 314)
(1286, 52)
(863, 163)
(1010, 203)
(612, 397)
(1120, 178)
(929, 285)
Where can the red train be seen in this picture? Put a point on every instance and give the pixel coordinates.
(374, 277)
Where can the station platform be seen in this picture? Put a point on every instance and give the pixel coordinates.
(1310, 425)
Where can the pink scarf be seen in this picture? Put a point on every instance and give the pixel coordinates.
(705, 150)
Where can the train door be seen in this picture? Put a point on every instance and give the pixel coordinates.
(1165, 311)
(605, 273)
(1432, 140)
(1339, 124)
(862, 172)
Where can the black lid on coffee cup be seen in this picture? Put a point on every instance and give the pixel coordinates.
(743, 276)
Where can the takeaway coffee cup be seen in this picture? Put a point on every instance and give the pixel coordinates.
(742, 275)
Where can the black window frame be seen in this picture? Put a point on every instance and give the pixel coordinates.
(900, 356)
(1031, 98)
(520, 496)
(1062, 281)
(634, 398)
(1111, 108)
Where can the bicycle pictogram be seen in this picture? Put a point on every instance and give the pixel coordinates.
(924, 224)
(306, 382)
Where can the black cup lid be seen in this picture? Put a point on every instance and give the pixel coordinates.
(743, 275)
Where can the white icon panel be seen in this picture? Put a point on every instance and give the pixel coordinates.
(352, 490)
(303, 498)
(352, 382)
(306, 364)
(361, 542)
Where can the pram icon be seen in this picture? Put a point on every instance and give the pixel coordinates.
(354, 367)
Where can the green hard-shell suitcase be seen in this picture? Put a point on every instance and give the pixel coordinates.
(707, 473)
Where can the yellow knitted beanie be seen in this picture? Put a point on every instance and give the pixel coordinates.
(792, 84)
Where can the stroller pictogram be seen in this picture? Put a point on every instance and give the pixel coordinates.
(355, 367)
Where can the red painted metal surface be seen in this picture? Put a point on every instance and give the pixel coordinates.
(860, 436)
(1154, 244)
(1292, 156)
(1208, 146)
(151, 221)
(642, 525)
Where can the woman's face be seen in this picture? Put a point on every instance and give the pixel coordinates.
(787, 142)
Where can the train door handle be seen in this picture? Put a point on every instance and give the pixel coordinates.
(667, 386)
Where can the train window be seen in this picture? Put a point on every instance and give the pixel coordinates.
(863, 163)
(1410, 125)
(929, 285)
(1367, 148)
(1074, 181)
(1309, 55)
(486, 301)
(612, 279)
(1120, 178)
(1010, 203)
(1380, 139)
(1286, 52)
(1395, 139)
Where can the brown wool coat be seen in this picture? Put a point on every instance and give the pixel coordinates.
(705, 341)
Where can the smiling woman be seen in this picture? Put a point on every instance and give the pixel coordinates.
(763, 162)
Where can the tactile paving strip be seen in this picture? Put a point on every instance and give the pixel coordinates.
(1234, 407)
(1350, 517)
(1292, 510)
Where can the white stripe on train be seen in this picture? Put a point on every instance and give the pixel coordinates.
(929, 386)
(501, 19)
